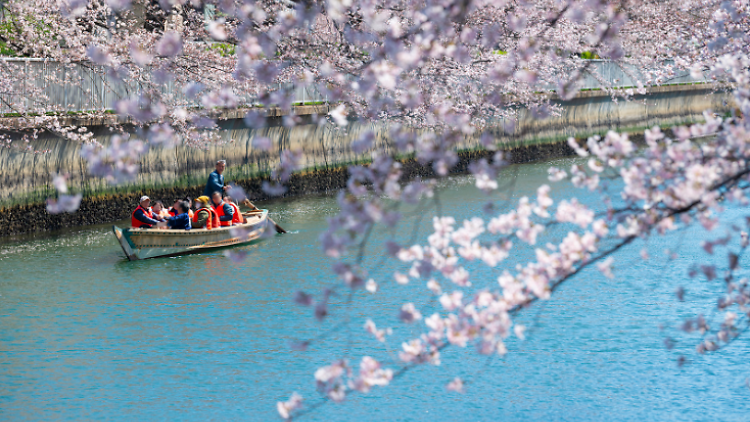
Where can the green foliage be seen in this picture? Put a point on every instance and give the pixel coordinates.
(5, 50)
(499, 52)
(224, 49)
(587, 55)
(8, 32)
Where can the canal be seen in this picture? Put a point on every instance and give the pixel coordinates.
(87, 335)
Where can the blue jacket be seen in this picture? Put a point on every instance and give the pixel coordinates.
(143, 218)
(182, 221)
(215, 183)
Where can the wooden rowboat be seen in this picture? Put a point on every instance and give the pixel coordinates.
(152, 243)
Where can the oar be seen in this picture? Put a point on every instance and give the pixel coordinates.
(250, 205)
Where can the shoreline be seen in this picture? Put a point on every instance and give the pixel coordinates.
(23, 219)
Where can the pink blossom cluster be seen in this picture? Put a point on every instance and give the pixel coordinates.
(117, 162)
(64, 202)
(338, 378)
(289, 162)
(485, 317)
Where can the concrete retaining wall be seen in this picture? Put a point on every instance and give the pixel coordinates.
(168, 173)
(22, 219)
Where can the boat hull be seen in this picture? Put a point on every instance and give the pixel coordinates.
(155, 243)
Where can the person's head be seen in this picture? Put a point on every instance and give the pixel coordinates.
(227, 198)
(216, 197)
(145, 202)
(220, 166)
(183, 206)
(188, 200)
(158, 206)
(201, 202)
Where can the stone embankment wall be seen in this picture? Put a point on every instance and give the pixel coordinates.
(31, 218)
(171, 173)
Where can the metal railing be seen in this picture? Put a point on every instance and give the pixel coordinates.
(620, 75)
(42, 85)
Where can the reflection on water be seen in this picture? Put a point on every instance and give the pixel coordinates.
(86, 334)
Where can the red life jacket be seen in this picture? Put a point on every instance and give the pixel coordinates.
(220, 212)
(213, 219)
(138, 224)
(237, 216)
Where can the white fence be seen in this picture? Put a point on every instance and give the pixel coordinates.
(618, 75)
(43, 85)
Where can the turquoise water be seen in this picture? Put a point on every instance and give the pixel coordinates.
(87, 335)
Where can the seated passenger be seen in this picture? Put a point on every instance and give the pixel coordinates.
(190, 206)
(204, 215)
(237, 216)
(223, 210)
(173, 209)
(143, 216)
(159, 210)
(182, 220)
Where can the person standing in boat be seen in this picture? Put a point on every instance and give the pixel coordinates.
(143, 217)
(182, 220)
(204, 216)
(223, 210)
(215, 181)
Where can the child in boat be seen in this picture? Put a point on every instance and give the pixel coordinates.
(182, 220)
(159, 210)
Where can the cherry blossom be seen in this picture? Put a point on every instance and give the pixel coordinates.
(371, 286)
(379, 334)
(262, 143)
(456, 385)
(339, 115)
(117, 162)
(430, 79)
(288, 407)
(64, 203)
(169, 45)
(409, 313)
(371, 374)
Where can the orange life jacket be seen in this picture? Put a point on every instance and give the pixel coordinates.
(214, 218)
(138, 224)
(211, 222)
(220, 212)
(237, 216)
